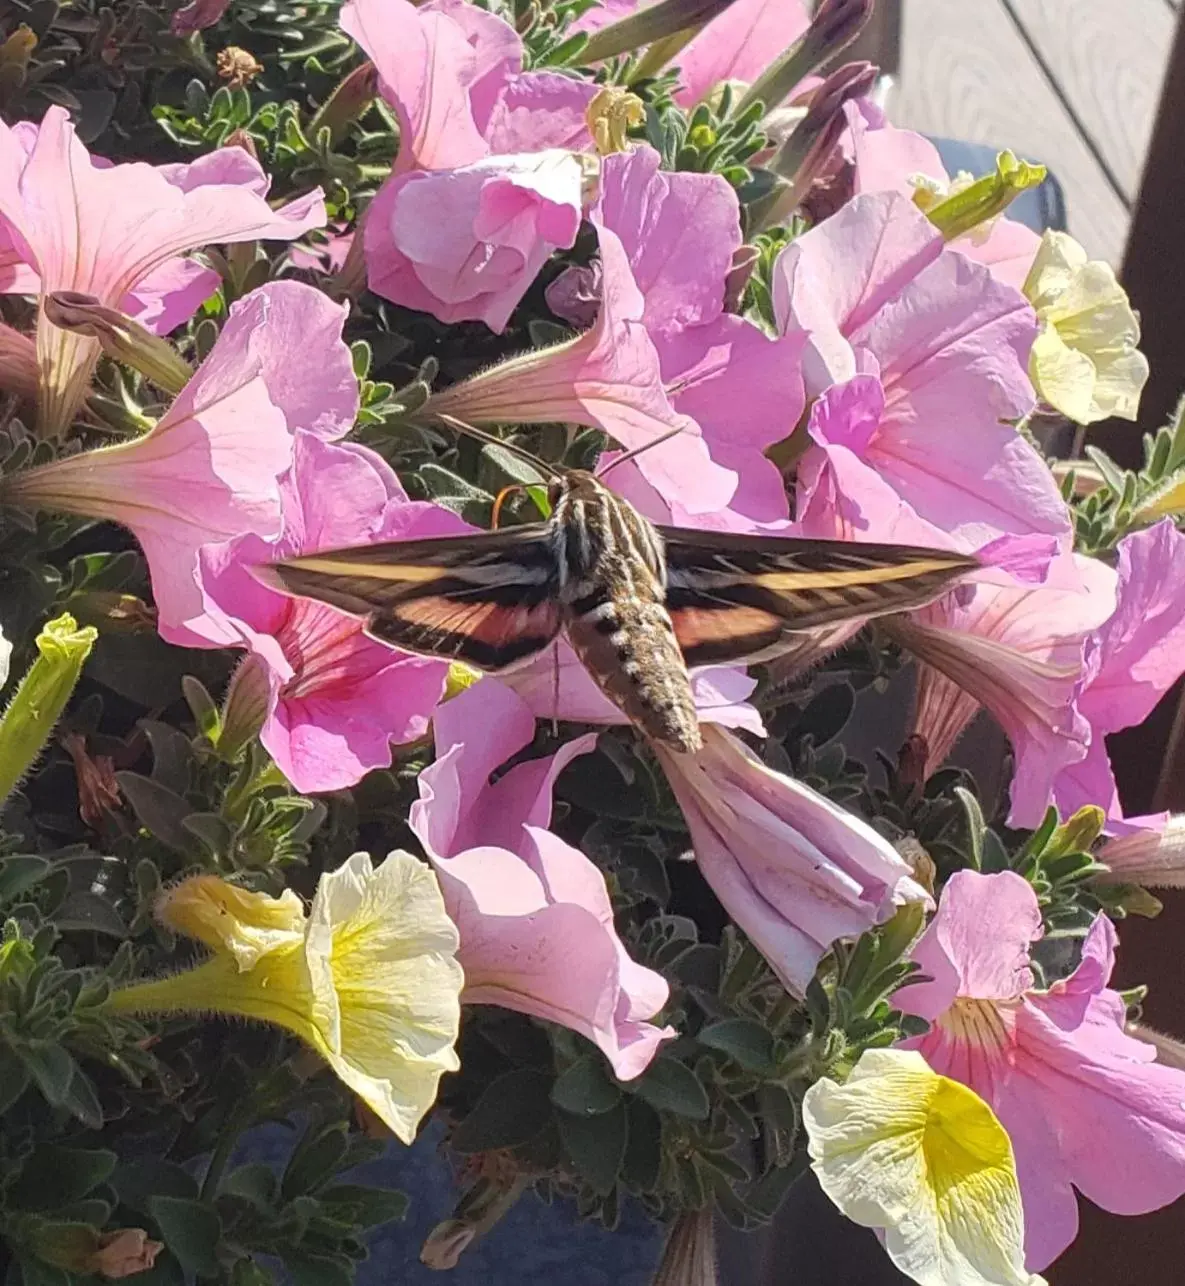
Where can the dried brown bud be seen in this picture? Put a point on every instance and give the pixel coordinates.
(238, 67)
(124, 1253)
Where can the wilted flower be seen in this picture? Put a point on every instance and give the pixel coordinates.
(924, 1161)
(124, 1253)
(138, 218)
(534, 914)
(368, 978)
(1085, 362)
(210, 469)
(1055, 1065)
(795, 871)
(329, 699)
(466, 243)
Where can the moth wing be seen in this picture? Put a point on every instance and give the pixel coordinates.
(490, 600)
(741, 598)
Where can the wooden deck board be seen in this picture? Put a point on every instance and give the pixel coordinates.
(966, 73)
(1108, 62)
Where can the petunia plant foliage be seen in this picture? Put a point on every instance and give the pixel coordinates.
(278, 280)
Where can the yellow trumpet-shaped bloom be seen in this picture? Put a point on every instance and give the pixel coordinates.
(369, 978)
(924, 1160)
(1085, 362)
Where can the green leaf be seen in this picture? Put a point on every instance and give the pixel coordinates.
(54, 1176)
(585, 1088)
(35, 1272)
(14, 1078)
(20, 873)
(84, 911)
(255, 1182)
(316, 1158)
(642, 1166)
(364, 1207)
(742, 1039)
(670, 1086)
(51, 1067)
(191, 1231)
(137, 1181)
(318, 1270)
(512, 1110)
(160, 811)
(596, 1145)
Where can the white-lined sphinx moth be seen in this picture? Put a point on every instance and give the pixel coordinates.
(640, 604)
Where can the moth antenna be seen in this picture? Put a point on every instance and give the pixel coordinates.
(637, 451)
(471, 430)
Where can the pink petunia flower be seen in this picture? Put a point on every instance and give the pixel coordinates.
(533, 913)
(453, 74)
(1086, 1106)
(680, 232)
(104, 229)
(888, 159)
(209, 470)
(334, 699)
(608, 378)
(878, 293)
(794, 870)
(466, 243)
(1017, 651)
(1132, 660)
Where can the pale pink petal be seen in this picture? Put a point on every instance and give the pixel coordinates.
(680, 231)
(467, 243)
(1139, 653)
(738, 44)
(170, 295)
(497, 53)
(426, 68)
(538, 110)
(18, 363)
(977, 945)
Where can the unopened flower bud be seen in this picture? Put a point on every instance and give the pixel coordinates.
(352, 97)
(805, 155)
(667, 18)
(124, 1253)
(1154, 858)
(971, 205)
(121, 338)
(240, 138)
(246, 708)
(41, 697)
(835, 25)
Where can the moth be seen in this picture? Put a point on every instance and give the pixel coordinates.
(640, 604)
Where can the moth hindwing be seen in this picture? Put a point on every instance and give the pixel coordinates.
(639, 603)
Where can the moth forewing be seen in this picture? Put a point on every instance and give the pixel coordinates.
(639, 604)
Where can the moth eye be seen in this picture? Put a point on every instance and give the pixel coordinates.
(555, 489)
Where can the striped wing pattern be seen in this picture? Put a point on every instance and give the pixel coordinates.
(742, 598)
(490, 600)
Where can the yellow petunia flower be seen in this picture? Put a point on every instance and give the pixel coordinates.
(368, 978)
(923, 1159)
(1085, 362)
